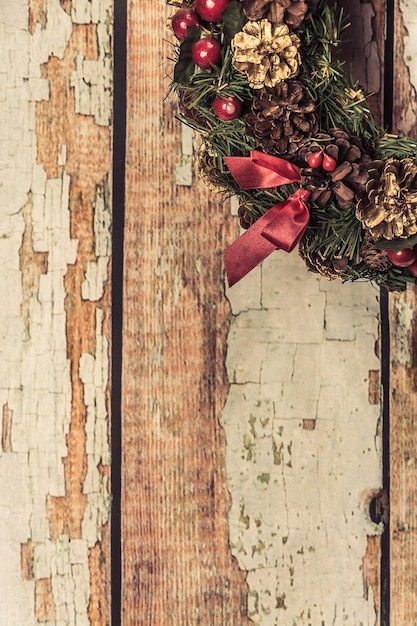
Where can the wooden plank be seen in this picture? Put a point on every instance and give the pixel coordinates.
(176, 563)
(55, 103)
(403, 366)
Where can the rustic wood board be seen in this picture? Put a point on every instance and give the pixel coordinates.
(55, 103)
(169, 233)
(176, 563)
(403, 365)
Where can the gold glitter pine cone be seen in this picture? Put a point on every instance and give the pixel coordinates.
(265, 53)
(389, 209)
(281, 117)
(291, 12)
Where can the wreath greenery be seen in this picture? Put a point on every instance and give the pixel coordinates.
(286, 130)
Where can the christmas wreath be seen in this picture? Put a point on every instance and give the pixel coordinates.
(287, 131)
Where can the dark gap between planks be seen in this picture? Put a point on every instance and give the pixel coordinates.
(385, 334)
(118, 201)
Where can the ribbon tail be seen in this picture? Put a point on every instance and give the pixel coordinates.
(286, 227)
(244, 254)
(280, 228)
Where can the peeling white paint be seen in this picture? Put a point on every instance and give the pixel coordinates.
(300, 348)
(183, 173)
(35, 383)
(97, 271)
(408, 9)
(92, 80)
(405, 316)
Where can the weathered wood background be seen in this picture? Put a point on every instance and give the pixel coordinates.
(403, 396)
(251, 429)
(55, 245)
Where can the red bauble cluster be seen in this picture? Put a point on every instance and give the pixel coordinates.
(207, 51)
(321, 159)
(207, 10)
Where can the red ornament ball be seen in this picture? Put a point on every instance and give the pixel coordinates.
(183, 19)
(315, 159)
(227, 108)
(402, 258)
(206, 52)
(211, 10)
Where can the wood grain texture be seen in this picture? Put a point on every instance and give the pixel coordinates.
(403, 465)
(177, 566)
(403, 387)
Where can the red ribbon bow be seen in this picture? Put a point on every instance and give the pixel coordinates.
(281, 227)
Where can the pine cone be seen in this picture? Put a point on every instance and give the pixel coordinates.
(375, 259)
(246, 219)
(265, 53)
(191, 114)
(208, 169)
(317, 262)
(291, 12)
(389, 209)
(346, 182)
(281, 118)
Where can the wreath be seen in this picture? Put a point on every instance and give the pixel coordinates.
(286, 130)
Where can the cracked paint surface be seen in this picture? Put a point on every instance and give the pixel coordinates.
(408, 10)
(303, 444)
(45, 573)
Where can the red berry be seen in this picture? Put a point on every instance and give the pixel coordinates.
(315, 159)
(206, 52)
(402, 258)
(227, 108)
(183, 19)
(211, 10)
(329, 164)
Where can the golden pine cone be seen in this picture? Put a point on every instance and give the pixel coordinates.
(389, 209)
(267, 54)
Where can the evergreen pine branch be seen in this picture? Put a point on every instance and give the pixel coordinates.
(340, 102)
(393, 146)
(394, 279)
(335, 232)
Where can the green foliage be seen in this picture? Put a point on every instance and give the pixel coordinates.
(184, 67)
(233, 21)
(395, 147)
(395, 279)
(336, 232)
(339, 100)
(397, 244)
